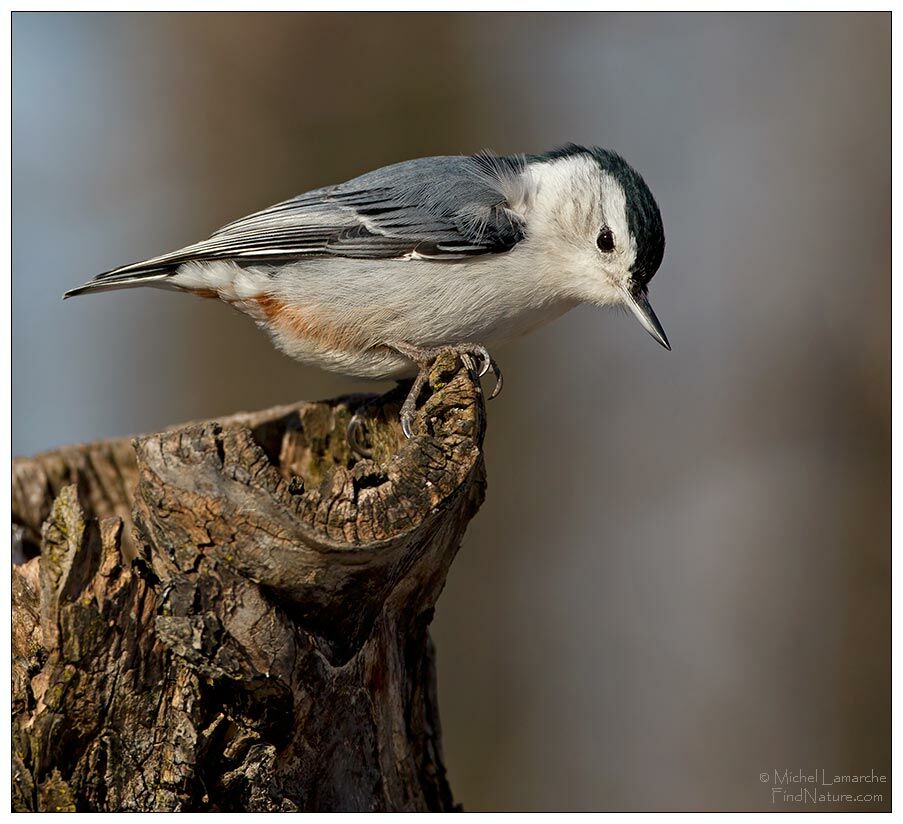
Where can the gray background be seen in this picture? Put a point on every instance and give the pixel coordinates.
(680, 577)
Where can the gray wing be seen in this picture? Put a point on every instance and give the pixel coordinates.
(433, 207)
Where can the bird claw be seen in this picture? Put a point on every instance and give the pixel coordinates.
(409, 407)
(475, 358)
(487, 364)
(407, 418)
(354, 433)
(484, 358)
(497, 374)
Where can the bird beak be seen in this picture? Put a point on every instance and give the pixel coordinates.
(640, 306)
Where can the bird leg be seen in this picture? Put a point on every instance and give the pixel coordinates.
(424, 358)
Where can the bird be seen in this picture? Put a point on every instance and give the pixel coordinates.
(378, 276)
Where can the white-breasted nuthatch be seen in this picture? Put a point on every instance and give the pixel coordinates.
(376, 276)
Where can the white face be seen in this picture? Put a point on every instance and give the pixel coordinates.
(578, 218)
(577, 222)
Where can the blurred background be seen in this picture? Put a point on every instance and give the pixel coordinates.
(680, 578)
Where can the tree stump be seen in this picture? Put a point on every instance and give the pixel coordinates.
(233, 615)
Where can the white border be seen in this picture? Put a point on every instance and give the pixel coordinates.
(5, 294)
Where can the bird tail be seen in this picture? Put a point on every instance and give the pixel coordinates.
(146, 273)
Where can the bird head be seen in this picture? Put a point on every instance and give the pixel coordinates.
(598, 214)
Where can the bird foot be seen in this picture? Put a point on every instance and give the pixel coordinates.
(355, 432)
(474, 356)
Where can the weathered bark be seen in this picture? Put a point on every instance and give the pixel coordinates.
(233, 615)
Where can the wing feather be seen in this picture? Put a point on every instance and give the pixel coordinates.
(435, 207)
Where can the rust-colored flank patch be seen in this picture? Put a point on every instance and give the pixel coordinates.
(205, 293)
(307, 323)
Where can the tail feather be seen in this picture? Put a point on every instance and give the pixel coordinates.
(125, 277)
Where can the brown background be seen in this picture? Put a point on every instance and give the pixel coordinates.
(681, 575)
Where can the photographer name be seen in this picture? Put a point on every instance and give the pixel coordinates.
(822, 778)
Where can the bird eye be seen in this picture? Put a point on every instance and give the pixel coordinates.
(605, 241)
